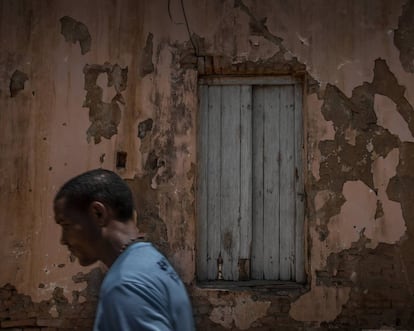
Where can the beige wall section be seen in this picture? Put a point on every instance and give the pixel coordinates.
(337, 42)
(389, 118)
(44, 127)
(43, 135)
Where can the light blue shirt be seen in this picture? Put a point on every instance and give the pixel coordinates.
(142, 292)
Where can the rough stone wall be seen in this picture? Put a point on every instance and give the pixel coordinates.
(113, 84)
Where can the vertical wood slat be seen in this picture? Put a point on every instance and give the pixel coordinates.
(287, 184)
(257, 185)
(214, 170)
(230, 181)
(271, 182)
(299, 190)
(245, 181)
(245, 171)
(202, 147)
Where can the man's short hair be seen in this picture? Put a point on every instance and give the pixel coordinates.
(100, 185)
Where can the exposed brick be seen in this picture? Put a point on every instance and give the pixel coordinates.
(21, 323)
(49, 322)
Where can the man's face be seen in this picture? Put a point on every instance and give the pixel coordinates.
(79, 233)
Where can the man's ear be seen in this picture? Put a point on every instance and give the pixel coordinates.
(98, 213)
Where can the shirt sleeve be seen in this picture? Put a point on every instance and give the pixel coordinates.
(132, 306)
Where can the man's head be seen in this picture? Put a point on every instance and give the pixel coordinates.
(85, 205)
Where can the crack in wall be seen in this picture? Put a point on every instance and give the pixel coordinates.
(258, 26)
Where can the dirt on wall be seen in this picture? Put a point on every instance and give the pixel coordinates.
(104, 116)
(18, 311)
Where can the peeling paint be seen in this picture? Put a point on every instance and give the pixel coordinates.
(240, 310)
(404, 37)
(53, 312)
(321, 304)
(17, 81)
(148, 218)
(323, 130)
(390, 227)
(105, 117)
(144, 127)
(359, 128)
(223, 316)
(357, 216)
(342, 161)
(389, 118)
(57, 310)
(246, 311)
(74, 31)
(258, 26)
(147, 66)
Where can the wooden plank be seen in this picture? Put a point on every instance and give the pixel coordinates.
(246, 171)
(214, 169)
(243, 80)
(257, 184)
(230, 181)
(245, 181)
(271, 182)
(202, 210)
(300, 276)
(287, 183)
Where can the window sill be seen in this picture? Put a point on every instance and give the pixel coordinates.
(254, 285)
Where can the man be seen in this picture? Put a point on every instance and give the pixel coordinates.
(141, 290)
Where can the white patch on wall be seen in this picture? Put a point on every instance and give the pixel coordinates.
(53, 311)
(321, 304)
(321, 198)
(389, 118)
(243, 311)
(390, 227)
(246, 311)
(357, 215)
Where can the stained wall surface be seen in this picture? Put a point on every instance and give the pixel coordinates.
(84, 83)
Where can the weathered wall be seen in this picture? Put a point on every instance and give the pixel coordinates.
(83, 83)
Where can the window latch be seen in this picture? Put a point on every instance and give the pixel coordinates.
(302, 195)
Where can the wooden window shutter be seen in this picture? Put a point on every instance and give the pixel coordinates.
(250, 208)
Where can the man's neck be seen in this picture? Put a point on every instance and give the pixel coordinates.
(118, 235)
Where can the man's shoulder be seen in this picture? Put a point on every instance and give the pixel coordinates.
(140, 264)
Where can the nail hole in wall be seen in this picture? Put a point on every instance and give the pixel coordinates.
(121, 158)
